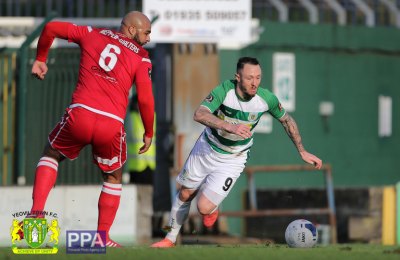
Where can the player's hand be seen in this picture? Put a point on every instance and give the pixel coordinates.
(147, 143)
(39, 69)
(240, 130)
(311, 159)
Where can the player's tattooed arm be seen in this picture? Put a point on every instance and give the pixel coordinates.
(205, 117)
(292, 130)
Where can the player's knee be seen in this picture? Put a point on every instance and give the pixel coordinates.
(185, 195)
(53, 153)
(205, 209)
(205, 206)
(113, 177)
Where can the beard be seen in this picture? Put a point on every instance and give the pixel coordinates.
(246, 95)
(136, 39)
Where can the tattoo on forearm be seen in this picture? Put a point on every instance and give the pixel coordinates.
(205, 117)
(292, 130)
(208, 119)
(212, 122)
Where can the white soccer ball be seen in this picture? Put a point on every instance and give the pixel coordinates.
(301, 233)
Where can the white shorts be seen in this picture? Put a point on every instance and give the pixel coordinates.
(218, 172)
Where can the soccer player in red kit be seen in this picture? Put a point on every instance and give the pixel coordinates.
(110, 62)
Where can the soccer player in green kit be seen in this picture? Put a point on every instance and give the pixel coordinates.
(230, 114)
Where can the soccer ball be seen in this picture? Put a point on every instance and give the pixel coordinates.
(301, 233)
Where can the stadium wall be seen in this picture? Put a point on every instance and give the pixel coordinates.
(349, 66)
(75, 208)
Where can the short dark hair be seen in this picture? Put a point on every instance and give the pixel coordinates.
(246, 60)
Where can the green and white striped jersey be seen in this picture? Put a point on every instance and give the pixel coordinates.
(226, 104)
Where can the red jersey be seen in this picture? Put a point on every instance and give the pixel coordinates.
(110, 63)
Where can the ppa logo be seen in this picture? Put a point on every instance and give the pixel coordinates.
(86, 242)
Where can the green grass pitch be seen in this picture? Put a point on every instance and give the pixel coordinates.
(231, 252)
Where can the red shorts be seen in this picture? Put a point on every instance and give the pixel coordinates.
(80, 127)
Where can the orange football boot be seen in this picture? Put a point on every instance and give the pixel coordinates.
(165, 243)
(209, 220)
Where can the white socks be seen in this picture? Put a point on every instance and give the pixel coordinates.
(179, 213)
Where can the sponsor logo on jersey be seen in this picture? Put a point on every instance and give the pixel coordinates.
(102, 73)
(252, 116)
(209, 98)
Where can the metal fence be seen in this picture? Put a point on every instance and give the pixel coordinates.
(7, 115)
(68, 8)
(343, 12)
(45, 104)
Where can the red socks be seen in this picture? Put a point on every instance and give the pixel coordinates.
(45, 178)
(108, 205)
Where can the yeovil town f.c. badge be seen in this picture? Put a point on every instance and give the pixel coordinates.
(35, 232)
